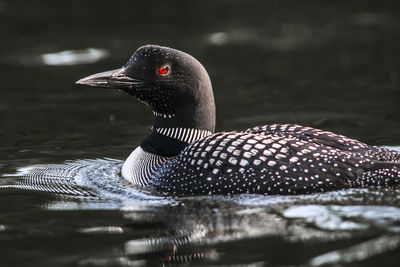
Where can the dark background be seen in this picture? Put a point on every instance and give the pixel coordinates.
(333, 65)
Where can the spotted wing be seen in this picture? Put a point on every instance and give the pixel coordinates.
(275, 161)
(329, 139)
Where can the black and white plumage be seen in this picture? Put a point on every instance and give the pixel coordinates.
(182, 155)
(183, 134)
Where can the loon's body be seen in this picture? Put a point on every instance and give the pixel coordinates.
(183, 155)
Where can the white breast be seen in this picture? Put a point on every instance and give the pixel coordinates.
(140, 166)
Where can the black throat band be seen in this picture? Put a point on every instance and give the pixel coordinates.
(162, 145)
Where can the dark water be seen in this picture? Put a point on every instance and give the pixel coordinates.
(332, 65)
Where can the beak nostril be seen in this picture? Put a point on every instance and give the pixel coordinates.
(119, 74)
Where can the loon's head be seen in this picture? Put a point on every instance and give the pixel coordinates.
(174, 84)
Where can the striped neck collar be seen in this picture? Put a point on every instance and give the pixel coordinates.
(187, 135)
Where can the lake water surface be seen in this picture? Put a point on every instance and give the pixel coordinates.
(334, 66)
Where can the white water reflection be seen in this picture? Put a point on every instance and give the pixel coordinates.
(322, 217)
(102, 230)
(289, 37)
(74, 57)
(359, 252)
(218, 38)
(337, 217)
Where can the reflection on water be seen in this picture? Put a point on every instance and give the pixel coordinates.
(62, 58)
(290, 37)
(358, 252)
(353, 225)
(75, 57)
(204, 229)
(336, 217)
(102, 230)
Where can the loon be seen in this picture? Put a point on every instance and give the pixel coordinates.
(183, 155)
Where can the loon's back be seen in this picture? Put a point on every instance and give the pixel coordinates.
(277, 159)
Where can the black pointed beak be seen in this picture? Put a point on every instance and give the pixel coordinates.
(113, 79)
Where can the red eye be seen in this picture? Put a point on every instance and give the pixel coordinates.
(163, 70)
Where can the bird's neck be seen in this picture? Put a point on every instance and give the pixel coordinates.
(192, 108)
(192, 119)
(193, 115)
(156, 149)
(169, 142)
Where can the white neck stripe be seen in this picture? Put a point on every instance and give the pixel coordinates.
(187, 135)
